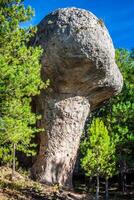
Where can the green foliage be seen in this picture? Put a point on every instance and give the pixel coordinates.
(123, 110)
(19, 78)
(98, 150)
(118, 113)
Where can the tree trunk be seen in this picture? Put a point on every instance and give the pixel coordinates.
(122, 173)
(124, 178)
(13, 164)
(106, 188)
(64, 117)
(97, 188)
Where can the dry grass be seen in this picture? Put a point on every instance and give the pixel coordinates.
(22, 187)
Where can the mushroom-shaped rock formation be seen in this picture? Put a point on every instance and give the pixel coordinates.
(79, 60)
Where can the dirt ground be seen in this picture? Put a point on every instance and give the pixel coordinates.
(23, 188)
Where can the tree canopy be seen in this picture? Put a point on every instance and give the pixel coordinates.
(19, 77)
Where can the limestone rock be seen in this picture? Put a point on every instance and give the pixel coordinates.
(79, 60)
(78, 54)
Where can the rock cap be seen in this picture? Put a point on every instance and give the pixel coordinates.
(79, 57)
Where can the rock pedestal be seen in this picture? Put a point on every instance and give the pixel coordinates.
(79, 60)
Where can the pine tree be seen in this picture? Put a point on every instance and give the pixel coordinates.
(19, 79)
(110, 162)
(118, 114)
(98, 152)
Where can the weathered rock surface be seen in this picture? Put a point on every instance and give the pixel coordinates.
(79, 60)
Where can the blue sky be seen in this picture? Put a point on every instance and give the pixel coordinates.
(118, 15)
